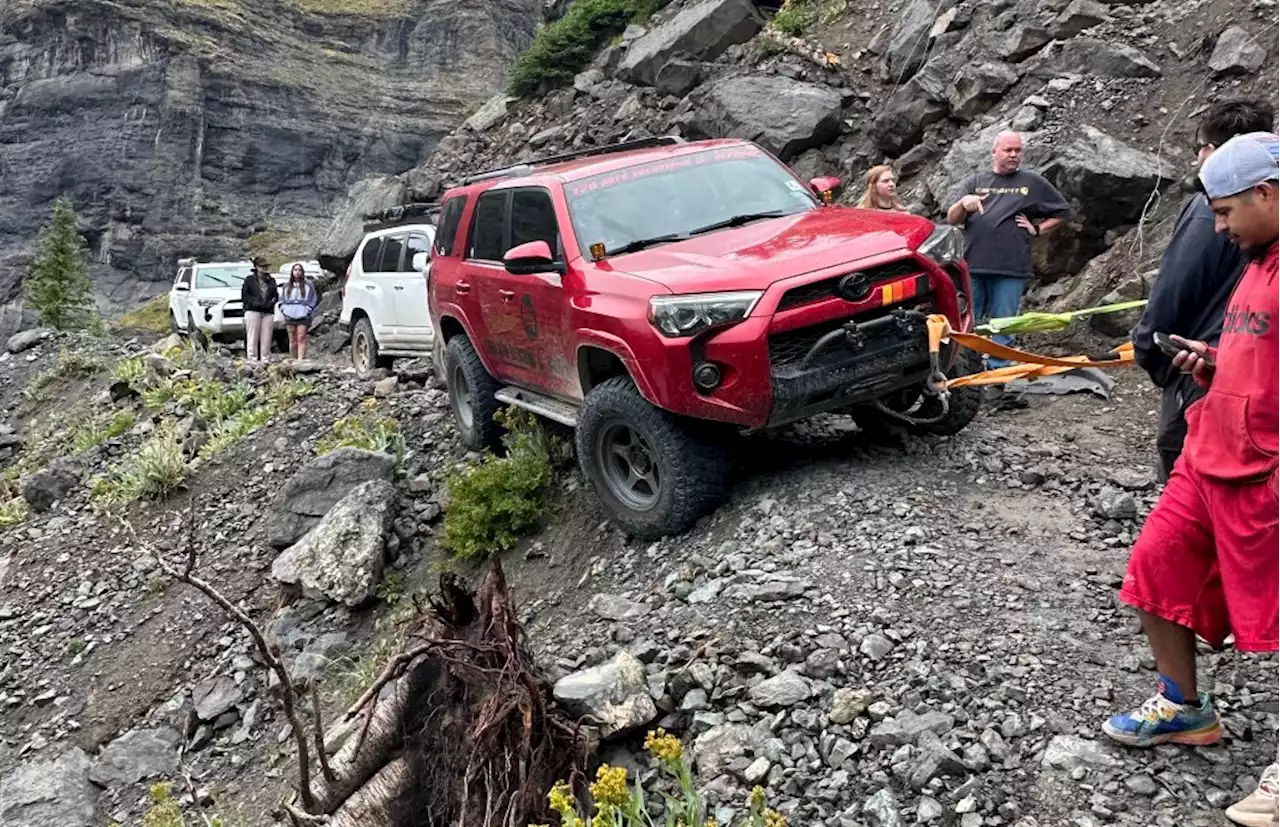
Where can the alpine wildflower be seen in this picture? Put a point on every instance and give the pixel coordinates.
(665, 747)
(610, 787)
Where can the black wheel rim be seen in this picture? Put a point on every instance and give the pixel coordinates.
(463, 401)
(628, 466)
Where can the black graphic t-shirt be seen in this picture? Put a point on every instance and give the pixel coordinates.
(994, 243)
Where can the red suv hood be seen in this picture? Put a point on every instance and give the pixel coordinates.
(755, 256)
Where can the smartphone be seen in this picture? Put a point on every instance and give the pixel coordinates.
(1172, 349)
(1166, 344)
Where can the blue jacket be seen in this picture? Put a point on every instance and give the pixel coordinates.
(298, 304)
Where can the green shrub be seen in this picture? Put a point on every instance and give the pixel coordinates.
(89, 435)
(130, 369)
(795, 16)
(496, 502)
(156, 470)
(59, 287)
(562, 49)
(12, 511)
(365, 429)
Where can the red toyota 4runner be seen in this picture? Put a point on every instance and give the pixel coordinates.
(657, 294)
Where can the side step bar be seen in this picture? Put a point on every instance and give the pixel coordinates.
(545, 406)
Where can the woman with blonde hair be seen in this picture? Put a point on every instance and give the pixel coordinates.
(882, 190)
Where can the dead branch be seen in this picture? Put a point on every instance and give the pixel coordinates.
(394, 668)
(321, 754)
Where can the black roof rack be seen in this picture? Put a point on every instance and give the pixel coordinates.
(402, 214)
(527, 166)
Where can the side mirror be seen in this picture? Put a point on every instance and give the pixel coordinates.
(531, 257)
(182, 288)
(420, 262)
(824, 187)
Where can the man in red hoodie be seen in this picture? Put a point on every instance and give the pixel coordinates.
(1207, 559)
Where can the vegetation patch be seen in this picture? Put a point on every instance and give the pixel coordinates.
(795, 17)
(99, 429)
(152, 317)
(13, 510)
(365, 429)
(617, 803)
(563, 48)
(356, 8)
(158, 469)
(496, 502)
(68, 365)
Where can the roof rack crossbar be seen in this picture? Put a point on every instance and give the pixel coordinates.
(527, 166)
(404, 210)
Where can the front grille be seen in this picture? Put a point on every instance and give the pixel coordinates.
(825, 289)
(229, 312)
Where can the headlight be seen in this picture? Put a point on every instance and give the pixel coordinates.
(688, 315)
(944, 245)
(208, 302)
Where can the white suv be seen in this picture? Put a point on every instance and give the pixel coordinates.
(384, 293)
(204, 301)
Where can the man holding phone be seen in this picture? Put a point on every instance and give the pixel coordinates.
(1198, 271)
(1206, 561)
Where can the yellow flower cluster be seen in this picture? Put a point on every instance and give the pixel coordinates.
(773, 818)
(610, 787)
(561, 798)
(666, 747)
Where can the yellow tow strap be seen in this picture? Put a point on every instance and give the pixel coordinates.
(1031, 365)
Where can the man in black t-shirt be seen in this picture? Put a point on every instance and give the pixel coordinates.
(1001, 211)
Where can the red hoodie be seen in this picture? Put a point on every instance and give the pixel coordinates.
(1232, 432)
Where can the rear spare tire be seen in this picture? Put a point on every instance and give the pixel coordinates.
(656, 474)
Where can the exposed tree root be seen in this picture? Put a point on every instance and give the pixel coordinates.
(465, 736)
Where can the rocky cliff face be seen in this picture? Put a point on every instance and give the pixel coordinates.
(185, 127)
(1107, 94)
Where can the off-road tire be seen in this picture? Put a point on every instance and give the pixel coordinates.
(364, 350)
(690, 457)
(195, 334)
(964, 402)
(472, 389)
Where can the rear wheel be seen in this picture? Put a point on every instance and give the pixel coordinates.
(173, 324)
(364, 350)
(471, 396)
(655, 473)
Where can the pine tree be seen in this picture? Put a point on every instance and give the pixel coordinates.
(59, 286)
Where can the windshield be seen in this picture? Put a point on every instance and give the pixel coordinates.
(674, 198)
(221, 276)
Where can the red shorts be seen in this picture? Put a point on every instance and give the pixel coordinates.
(1208, 558)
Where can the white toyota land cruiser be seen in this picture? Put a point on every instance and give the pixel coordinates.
(384, 293)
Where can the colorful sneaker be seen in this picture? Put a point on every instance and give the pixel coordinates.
(1161, 721)
(1262, 808)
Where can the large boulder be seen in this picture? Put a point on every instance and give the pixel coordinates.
(917, 104)
(1078, 16)
(908, 46)
(784, 116)
(1107, 181)
(614, 695)
(702, 31)
(1236, 53)
(27, 339)
(136, 756)
(1020, 42)
(317, 487)
(342, 557)
(44, 488)
(490, 114)
(1087, 56)
(978, 87)
(56, 792)
(717, 747)
(370, 195)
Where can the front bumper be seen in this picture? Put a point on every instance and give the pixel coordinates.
(226, 320)
(816, 370)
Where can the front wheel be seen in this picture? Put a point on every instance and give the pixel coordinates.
(962, 406)
(655, 473)
(196, 334)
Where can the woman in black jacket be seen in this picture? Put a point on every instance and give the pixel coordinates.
(259, 295)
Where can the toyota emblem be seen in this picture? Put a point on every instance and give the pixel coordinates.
(854, 287)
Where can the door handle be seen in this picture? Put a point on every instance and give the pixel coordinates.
(507, 295)
(399, 286)
(462, 287)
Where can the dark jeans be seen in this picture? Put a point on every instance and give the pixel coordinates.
(1172, 429)
(996, 297)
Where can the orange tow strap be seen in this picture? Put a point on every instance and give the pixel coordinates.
(1031, 365)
